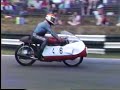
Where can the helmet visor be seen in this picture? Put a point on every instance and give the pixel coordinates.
(53, 19)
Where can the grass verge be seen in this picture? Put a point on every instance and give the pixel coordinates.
(87, 27)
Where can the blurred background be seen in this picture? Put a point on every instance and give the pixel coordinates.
(36, 7)
(81, 17)
(79, 13)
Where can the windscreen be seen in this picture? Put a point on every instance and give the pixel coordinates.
(71, 37)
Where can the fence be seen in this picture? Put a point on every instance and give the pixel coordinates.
(98, 44)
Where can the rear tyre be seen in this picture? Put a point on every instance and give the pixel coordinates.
(24, 50)
(73, 63)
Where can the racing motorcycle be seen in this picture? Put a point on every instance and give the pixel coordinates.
(71, 52)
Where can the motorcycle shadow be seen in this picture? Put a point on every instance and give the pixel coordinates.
(55, 65)
(59, 66)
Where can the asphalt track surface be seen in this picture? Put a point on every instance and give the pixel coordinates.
(91, 74)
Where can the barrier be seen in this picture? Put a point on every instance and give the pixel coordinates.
(97, 44)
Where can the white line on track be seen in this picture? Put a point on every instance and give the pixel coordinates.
(7, 55)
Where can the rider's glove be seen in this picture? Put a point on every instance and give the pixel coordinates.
(61, 40)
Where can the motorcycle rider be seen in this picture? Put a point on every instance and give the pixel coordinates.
(40, 31)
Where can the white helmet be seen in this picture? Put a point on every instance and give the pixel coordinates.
(51, 18)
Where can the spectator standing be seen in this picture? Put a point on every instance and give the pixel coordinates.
(53, 8)
(85, 5)
(73, 4)
(91, 6)
(38, 4)
(67, 4)
(75, 19)
(100, 14)
(31, 8)
(4, 2)
(17, 8)
(54, 5)
(45, 5)
(118, 24)
(57, 3)
(76, 6)
(35, 3)
(2, 6)
(61, 8)
(8, 9)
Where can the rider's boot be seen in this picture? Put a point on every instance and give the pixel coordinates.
(40, 57)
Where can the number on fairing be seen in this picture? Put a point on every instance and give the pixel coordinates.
(61, 50)
(53, 51)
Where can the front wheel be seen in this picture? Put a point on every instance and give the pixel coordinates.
(24, 50)
(73, 63)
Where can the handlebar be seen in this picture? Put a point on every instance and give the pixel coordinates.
(64, 41)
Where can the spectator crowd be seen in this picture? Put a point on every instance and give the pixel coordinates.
(77, 8)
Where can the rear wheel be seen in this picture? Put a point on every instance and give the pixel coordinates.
(73, 63)
(25, 50)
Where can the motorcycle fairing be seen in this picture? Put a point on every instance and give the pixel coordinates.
(65, 57)
(69, 49)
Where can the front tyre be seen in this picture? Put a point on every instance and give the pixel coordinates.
(24, 50)
(73, 63)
